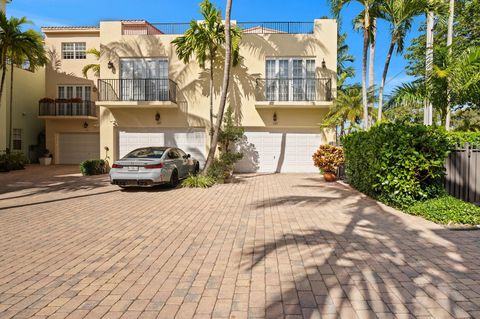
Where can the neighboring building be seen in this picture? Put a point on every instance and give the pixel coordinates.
(28, 88)
(280, 92)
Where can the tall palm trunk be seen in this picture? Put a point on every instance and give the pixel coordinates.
(364, 69)
(449, 45)
(428, 116)
(223, 97)
(384, 76)
(4, 72)
(211, 100)
(371, 64)
(10, 115)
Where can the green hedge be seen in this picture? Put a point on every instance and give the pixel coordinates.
(397, 163)
(12, 161)
(447, 209)
(460, 138)
(93, 167)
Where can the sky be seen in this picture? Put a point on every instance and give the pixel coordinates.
(90, 12)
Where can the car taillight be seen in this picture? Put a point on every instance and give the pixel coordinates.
(117, 166)
(154, 166)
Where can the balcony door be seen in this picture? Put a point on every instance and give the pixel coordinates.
(144, 79)
(68, 92)
(290, 79)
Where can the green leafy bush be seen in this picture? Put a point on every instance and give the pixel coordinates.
(12, 161)
(447, 209)
(93, 167)
(397, 163)
(198, 181)
(460, 138)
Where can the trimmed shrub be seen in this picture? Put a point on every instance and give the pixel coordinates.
(12, 161)
(447, 209)
(198, 181)
(93, 167)
(460, 138)
(397, 163)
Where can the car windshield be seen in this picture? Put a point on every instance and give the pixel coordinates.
(147, 152)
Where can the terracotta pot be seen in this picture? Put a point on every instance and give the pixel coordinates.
(329, 177)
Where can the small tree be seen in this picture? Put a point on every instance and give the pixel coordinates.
(228, 137)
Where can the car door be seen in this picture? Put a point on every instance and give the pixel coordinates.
(186, 163)
(176, 160)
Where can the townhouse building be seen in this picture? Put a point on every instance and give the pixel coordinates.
(145, 96)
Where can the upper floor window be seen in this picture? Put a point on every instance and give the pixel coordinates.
(290, 79)
(144, 68)
(83, 92)
(17, 139)
(74, 50)
(144, 79)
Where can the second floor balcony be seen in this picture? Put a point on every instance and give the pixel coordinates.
(294, 91)
(66, 108)
(137, 90)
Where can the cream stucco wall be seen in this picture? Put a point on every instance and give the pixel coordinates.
(28, 88)
(68, 72)
(192, 108)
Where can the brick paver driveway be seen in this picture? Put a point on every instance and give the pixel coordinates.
(281, 245)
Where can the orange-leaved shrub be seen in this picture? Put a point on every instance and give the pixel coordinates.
(328, 158)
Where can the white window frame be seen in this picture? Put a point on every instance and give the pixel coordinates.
(145, 85)
(17, 136)
(290, 79)
(74, 51)
(73, 88)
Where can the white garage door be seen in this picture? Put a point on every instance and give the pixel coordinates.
(268, 152)
(192, 141)
(78, 147)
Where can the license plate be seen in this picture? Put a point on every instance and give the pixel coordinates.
(133, 168)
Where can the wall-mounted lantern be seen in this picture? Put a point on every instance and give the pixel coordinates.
(110, 65)
(275, 118)
(85, 125)
(324, 65)
(158, 118)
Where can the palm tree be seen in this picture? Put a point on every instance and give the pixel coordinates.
(365, 17)
(93, 67)
(203, 39)
(229, 44)
(451, 13)
(343, 57)
(18, 47)
(400, 16)
(10, 33)
(371, 62)
(457, 76)
(27, 49)
(347, 107)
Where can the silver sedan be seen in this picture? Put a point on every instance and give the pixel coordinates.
(149, 166)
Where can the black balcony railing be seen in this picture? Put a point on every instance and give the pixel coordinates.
(294, 89)
(67, 108)
(247, 27)
(137, 90)
(276, 27)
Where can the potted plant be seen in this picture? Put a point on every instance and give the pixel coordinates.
(46, 158)
(328, 158)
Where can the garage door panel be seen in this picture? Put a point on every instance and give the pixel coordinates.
(75, 148)
(192, 141)
(268, 152)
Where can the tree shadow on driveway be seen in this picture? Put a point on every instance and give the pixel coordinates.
(372, 262)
